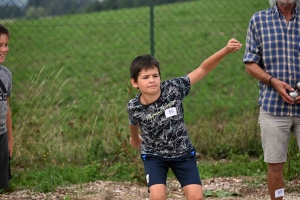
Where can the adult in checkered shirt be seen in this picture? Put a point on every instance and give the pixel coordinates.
(272, 56)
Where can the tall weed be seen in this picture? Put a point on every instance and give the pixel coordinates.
(53, 133)
(49, 129)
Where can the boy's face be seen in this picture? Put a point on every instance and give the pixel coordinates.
(148, 81)
(3, 47)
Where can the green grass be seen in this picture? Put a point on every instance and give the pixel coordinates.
(71, 86)
(70, 71)
(95, 50)
(50, 177)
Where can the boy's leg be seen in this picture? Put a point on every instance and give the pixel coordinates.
(193, 192)
(158, 192)
(186, 171)
(156, 170)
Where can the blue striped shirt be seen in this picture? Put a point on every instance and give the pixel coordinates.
(274, 45)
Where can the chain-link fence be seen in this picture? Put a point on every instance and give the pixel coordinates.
(94, 49)
(76, 55)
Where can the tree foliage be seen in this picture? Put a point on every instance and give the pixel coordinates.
(8, 12)
(60, 7)
(40, 8)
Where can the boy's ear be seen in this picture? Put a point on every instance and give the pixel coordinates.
(133, 83)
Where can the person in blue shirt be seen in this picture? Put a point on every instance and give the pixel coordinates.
(158, 113)
(272, 57)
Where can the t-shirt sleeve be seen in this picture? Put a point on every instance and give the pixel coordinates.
(132, 120)
(182, 85)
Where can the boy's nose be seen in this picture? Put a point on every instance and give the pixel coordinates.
(3, 48)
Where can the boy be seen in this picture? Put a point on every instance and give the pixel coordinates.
(158, 113)
(6, 136)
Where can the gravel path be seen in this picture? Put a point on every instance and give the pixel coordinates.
(243, 187)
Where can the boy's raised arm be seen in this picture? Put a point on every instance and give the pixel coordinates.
(211, 62)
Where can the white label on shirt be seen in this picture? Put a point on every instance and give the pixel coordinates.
(279, 193)
(170, 112)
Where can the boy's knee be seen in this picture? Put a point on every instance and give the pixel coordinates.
(157, 197)
(158, 192)
(197, 197)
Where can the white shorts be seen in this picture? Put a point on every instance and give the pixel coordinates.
(276, 132)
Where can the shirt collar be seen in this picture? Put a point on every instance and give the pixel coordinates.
(277, 11)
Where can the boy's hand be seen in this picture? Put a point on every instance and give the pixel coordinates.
(136, 143)
(233, 45)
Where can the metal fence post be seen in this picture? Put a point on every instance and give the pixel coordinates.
(152, 27)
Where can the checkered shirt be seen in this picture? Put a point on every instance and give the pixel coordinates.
(274, 45)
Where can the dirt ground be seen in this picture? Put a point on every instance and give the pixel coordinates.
(217, 188)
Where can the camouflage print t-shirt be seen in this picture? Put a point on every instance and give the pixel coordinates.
(5, 91)
(162, 122)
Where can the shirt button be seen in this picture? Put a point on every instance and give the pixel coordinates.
(291, 76)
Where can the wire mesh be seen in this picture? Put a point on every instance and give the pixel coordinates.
(79, 52)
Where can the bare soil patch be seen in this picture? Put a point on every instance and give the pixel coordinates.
(237, 188)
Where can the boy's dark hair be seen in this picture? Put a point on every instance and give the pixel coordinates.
(142, 62)
(4, 31)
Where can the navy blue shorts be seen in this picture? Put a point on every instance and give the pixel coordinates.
(184, 167)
